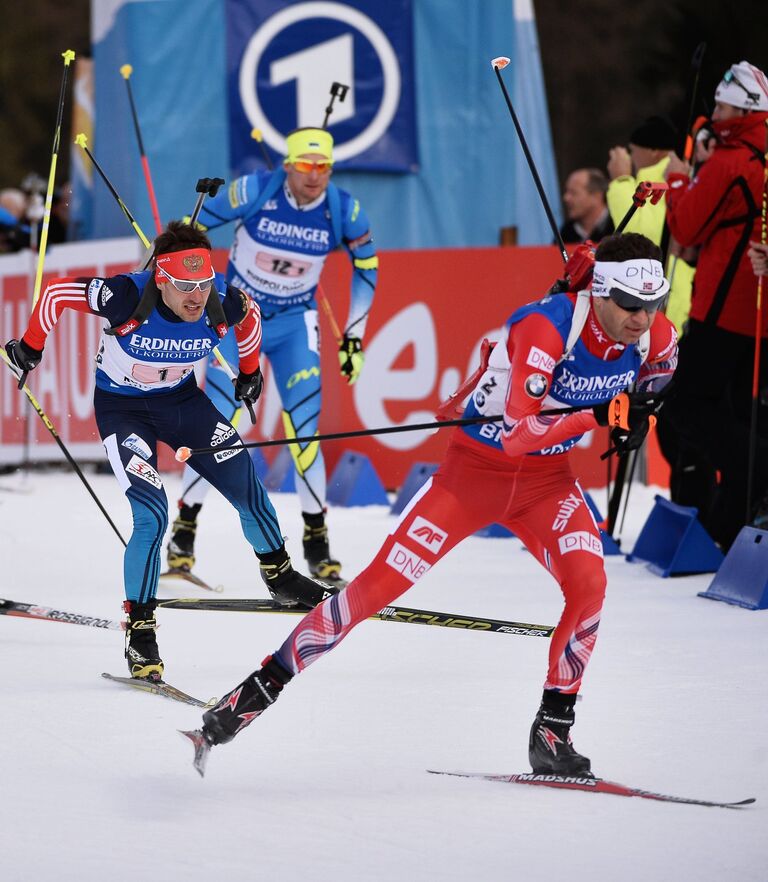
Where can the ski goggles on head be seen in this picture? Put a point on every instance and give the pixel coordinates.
(730, 77)
(632, 300)
(186, 286)
(306, 166)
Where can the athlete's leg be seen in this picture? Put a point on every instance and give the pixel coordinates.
(559, 529)
(232, 473)
(130, 441)
(294, 356)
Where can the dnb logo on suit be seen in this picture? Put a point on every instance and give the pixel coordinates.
(282, 61)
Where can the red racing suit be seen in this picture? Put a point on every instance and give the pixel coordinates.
(515, 475)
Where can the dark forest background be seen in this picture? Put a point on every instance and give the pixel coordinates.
(607, 66)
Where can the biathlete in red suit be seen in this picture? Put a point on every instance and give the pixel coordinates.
(566, 350)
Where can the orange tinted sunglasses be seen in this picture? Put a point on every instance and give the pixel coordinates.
(305, 166)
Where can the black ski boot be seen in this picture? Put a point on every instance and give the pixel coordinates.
(245, 702)
(181, 545)
(317, 551)
(550, 750)
(288, 586)
(141, 650)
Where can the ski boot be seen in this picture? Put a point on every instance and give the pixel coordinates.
(550, 750)
(181, 545)
(238, 708)
(317, 550)
(141, 650)
(288, 586)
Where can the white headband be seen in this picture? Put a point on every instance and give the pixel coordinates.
(644, 276)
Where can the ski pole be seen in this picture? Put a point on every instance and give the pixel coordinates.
(646, 190)
(68, 57)
(82, 141)
(126, 70)
(758, 342)
(338, 90)
(49, 425)
(498, 65)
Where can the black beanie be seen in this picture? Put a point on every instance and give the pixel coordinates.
(656, 133)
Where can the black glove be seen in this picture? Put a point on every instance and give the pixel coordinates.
(248, 386)
(630, 416)
(22, 356)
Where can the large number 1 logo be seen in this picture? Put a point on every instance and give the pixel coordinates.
(334, 59)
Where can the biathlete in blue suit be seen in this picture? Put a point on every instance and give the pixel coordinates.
(287, 223)
(162, 322)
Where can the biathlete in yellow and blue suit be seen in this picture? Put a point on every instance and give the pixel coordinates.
(287, 223)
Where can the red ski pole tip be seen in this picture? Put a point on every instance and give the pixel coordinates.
(500, 63)
(183, 454)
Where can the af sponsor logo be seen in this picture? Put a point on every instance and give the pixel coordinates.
(537, 358)
(138, 445)
(567, 507)
(221, 455)
(580, 540)
(406, 562)
(536, 386)
(427, 534)
(144, 471)
(269, 205)
(221, 433)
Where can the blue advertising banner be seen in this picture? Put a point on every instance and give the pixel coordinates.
(282, 60)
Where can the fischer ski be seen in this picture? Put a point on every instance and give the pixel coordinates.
(47, 613)
(590, 785)
(187, 576)
(160, 687)
(387, 614)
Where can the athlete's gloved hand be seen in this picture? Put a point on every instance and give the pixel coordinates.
(630, 416)
(351, 358)
(248, 386)
(22, 356)
(247, 389)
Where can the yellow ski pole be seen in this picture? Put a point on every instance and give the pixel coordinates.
(68, 57)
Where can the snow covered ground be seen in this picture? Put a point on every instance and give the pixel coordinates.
(331, 783)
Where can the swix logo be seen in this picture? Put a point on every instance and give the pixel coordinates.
(221, 433)
(427, 534)
(406, 562)
(539, 359)
(581, 540)
(567, 507)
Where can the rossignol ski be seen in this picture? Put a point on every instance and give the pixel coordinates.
(590, 785)
(48, 614)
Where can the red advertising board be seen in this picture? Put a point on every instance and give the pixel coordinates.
(431, 312)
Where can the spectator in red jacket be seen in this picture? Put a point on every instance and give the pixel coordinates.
(720, 211)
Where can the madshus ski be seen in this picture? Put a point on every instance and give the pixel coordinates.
(160, 688)
(590, 785)
(388, 614)
(47, 613)
(177, 573)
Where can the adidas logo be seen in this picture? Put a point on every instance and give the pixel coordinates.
(221, 433)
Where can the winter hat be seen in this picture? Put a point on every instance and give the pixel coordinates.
(745, 86)
(656, 133)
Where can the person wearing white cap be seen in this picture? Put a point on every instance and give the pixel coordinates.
(720, 211)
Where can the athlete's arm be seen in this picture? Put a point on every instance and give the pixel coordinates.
(113, 298)
(243, 312)
(662, 356)
(534, 347)
(358, 242)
